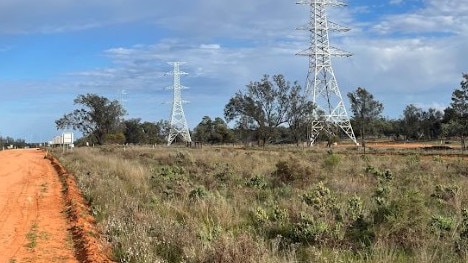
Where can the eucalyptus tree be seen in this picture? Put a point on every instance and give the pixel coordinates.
(262, 107)
(97, 117)
(300, 108)
(412, 122)
(213, 132)
(458, 123)
(366, 110)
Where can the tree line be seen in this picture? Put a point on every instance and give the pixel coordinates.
(271, 111)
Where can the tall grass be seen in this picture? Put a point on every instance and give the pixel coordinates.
(274, 205)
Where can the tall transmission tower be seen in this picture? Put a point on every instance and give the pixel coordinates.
(122, 96)
(329, 113)
(178, 125)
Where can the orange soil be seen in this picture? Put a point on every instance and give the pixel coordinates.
(398, 145)
(36, 216)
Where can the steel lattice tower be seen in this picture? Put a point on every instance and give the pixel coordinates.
(330, 112)
(178, 123)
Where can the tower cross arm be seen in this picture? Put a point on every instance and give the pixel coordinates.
(339, 52)
(332, 26)
(322, 2)
(336, 27)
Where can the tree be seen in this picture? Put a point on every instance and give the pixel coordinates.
(202, 131)
(412, 122)
(213, 132)
(431, 123)
(458, 123)
(263, 106)
(97, 118)
(134, 132)
(155, 133)
(298, 112)
(366, 110)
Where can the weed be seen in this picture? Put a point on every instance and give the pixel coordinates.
(32, 236)
(44, 188)
(197, 193)
(331, 161)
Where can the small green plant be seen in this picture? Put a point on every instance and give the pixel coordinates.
(320, 198)
(354, 209)
(257, 181)
(32, 236)
(443, 225)
(309, 231)
(331, 161)
(184, 158)
(413, 161)
(198, 193)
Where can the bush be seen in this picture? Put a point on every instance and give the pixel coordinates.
(331, 161)
(291, 171)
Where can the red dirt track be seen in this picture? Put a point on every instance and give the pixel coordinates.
(38, 221)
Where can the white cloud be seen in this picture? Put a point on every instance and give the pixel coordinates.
(210, 46)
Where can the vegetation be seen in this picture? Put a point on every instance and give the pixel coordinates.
(458, 112)
(366, 110)
(265, 106)
(99, 119)
(213, 132)
(137, 132)
(271, 111)
(275, 204)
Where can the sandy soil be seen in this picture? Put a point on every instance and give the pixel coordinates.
(399, 145)
(35, 216)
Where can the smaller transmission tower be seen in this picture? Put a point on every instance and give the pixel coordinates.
(178, 125)
(329, 112)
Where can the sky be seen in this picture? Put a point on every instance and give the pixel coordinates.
(404, 52)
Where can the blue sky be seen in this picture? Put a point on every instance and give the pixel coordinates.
(405, 52)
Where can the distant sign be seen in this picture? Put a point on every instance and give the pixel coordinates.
(67, 138)
(57, 140)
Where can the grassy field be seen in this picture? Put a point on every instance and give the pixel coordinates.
(275, 204)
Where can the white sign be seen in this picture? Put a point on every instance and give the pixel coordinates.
(67, 138)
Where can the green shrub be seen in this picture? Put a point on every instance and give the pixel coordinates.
(257, 181)
(442, 225)
(197, 193)
(360, 233)
(309, 232)
(331, 161)
(354, 208)
(320, 198)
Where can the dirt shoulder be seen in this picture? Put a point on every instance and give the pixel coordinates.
(36, 216)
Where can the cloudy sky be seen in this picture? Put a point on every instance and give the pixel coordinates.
(405, 52)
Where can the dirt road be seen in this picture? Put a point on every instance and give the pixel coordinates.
(33, 220)
(40, 221)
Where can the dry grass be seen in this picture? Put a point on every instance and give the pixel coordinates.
(274, 204)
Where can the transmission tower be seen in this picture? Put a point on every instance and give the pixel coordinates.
(122, 96)
(329, 113)
(178, 123)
